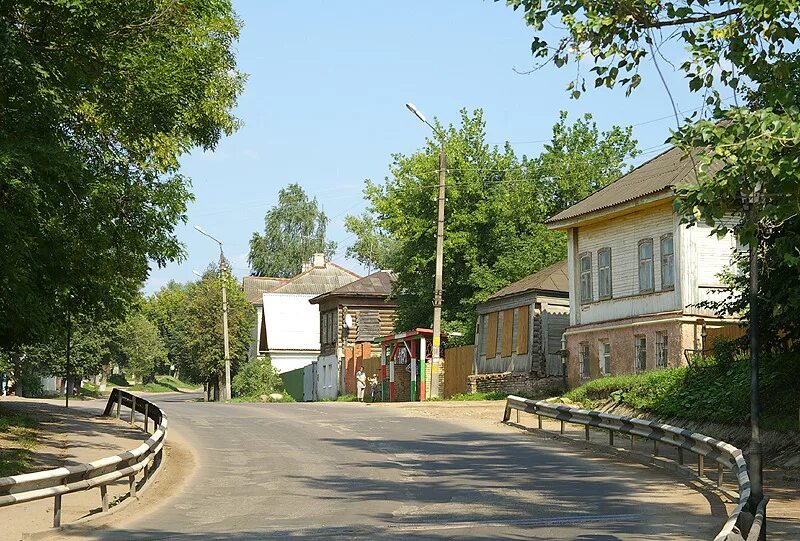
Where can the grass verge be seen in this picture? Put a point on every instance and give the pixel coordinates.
(17, 440)
(715, 389)
(163, 384)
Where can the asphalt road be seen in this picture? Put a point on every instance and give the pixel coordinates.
(353, 471)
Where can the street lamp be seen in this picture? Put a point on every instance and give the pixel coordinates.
(223, 276)
(436, 361)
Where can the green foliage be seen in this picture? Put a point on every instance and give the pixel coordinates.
(256, 378)
(98, 99)
(294, 230)
(716, 390)
(141, 350)
(118, 380)
(496, 206)
(741, 47)
(18, 433)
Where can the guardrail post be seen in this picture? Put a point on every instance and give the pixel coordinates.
(104, 497)
(540, 421)
(633, 442)
(119, 402)
(562, 427)
(146, 418)
(720, 474)
(701, 465)
(680, 456)
(132, 482)
(655, 448)
(517, 416)
(586, 429)
(57, 512)
(133, 409)
(611, 437)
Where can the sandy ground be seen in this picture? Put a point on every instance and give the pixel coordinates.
(75, 435)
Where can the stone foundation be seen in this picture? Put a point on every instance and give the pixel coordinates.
(525, 383)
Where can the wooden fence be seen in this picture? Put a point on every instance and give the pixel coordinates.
(458, 364)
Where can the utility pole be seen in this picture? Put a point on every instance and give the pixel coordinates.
(226, 344)
(436, 358)
(69, 347)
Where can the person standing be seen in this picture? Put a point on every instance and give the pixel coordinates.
(361, 383)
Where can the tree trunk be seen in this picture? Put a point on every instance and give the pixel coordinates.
(17, 371)
(105, 372)
(216, 389)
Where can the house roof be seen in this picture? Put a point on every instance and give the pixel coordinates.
(317, 280)
(377, 284)
(660, 173)
(255, 286)
(552, 278)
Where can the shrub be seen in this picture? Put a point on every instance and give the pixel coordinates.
(257, 377)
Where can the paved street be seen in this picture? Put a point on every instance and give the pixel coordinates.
(343, 470)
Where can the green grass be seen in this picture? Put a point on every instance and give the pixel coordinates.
(286, 397)
(347, 398)
(17, 440)
(163, 384)
(715, 390)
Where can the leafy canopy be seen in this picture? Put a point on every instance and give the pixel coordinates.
(496, 206)
(98, 99)
(294, 230)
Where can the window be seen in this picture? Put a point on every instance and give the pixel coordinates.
(640, 357)
(604, 273)
(584, 361)
(661, 349)
(645, 265)
(586, 277)
(605, 357)
(667, 262)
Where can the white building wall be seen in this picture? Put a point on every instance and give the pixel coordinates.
(705, 257)
(622, 235)
(287, 361)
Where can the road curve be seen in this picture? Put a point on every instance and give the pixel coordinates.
(353, 471)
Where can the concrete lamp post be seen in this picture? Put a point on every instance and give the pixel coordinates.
(436, 358)
(226, 344)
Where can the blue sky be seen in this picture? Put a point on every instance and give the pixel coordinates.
(324, 107)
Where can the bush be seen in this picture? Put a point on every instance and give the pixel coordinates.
(257, 377)
(118, 380)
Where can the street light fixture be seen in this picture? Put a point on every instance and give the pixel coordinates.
(223, 276)
(436, 361)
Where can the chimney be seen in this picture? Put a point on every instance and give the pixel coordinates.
(319, 261)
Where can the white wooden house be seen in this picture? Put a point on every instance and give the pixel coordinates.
(636, 274)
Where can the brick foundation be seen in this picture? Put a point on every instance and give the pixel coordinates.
(513, 383)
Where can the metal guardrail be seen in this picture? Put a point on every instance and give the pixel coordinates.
(100, 473)
(705, 447)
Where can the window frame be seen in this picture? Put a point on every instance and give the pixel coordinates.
(581, 257)
(600, 281)
(639, 354)
(662, 349)
(585, 362)
(639, 258)
(671, 255)
(605, 357)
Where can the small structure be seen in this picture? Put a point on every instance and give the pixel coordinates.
(518, 333)
(406, 370)
(254, 288)
(350, 316)
(638, 277)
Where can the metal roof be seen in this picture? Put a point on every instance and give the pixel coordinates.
(377, 284)
(661, 173)
(317, 280)
(255, 286)
(552, 278)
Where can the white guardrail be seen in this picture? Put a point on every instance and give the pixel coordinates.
(100, 473)
(705, 447)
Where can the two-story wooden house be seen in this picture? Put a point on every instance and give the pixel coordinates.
(350, 317)
(637, 275)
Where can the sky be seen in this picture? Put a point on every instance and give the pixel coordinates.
(324, 107)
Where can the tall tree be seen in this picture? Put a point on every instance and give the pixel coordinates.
(496, 206)
(746, 154)
(294, 230)
(142, 352)
(98, 99)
